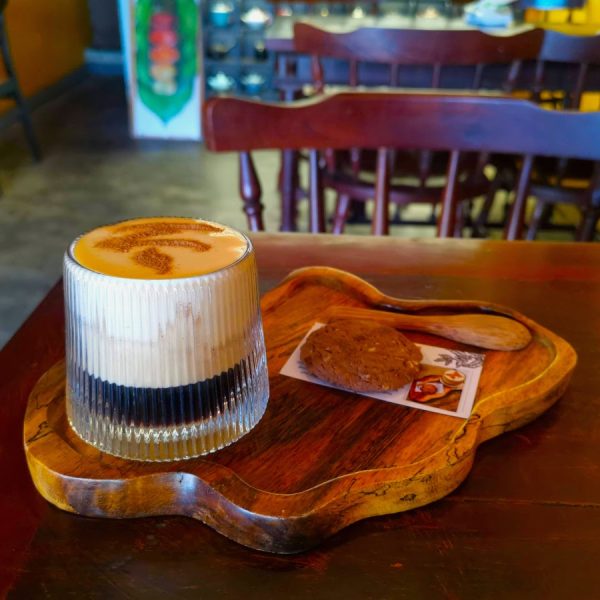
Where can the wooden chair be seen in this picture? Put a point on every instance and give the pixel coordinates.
(456, 123)
(551, 187)
(552, 180)
(435, 50)
(578, 54)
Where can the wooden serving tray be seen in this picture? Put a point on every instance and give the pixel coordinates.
(320, 458)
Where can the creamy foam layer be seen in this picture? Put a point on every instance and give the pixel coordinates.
(161, 332)
(160, 248)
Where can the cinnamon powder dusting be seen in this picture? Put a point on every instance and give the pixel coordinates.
(127, 243)
(152, 258)
(162, 228)
(140, 235)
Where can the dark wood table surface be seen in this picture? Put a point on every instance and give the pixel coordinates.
(525, 523)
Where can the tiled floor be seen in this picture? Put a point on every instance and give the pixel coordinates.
(93, 173)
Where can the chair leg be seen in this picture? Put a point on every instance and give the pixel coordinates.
(288, 189)
(316, 198)
(381, 223)
(541, 214)
(460, 219)
(342, 208)
(446, 225)
(17, 96)
(28, 129)
(587, 228)
(480, 223)
(514, 223)
(250, 192)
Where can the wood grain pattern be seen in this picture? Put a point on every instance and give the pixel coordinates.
(422, 121)
(320, 459)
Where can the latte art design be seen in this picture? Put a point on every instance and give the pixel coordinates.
(154, 259)
(143, 235)
(160, 248)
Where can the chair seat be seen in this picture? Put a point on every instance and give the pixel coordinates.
(404, 190)
(561, 194)
(416, 177)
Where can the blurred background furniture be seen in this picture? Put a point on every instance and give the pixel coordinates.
(415, 177)
(557, 182)
(234, 32)
(566, 181)
(9, 88)
(461, 124)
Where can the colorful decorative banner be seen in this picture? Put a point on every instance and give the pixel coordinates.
(166, 54)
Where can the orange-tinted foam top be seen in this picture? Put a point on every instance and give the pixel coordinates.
(159, 248)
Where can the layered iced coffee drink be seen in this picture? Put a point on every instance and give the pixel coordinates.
(165, 349)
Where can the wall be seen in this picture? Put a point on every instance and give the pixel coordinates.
(47, 38)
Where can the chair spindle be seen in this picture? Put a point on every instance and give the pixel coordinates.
(517, 214)
(380, 223)
(251, 192)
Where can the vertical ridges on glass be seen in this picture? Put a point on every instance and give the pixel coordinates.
(164, 369)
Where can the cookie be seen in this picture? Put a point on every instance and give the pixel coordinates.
(362, 356)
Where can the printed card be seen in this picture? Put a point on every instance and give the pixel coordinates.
(447, 383)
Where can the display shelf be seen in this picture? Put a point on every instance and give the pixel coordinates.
(233, 49)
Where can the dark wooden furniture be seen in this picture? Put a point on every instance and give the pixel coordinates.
(398, 48)
(294, 69)
(525, 524)
(552, 187)
(580, 54)
(560, 181)
(436, 49)
(9, 88)
(459, 123)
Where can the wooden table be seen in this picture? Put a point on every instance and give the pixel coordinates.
(525, 524)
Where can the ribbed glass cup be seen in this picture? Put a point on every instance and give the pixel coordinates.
(164, 369)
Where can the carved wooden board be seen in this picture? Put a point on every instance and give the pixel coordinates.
(320, 458)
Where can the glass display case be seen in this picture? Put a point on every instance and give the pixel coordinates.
(235, 58)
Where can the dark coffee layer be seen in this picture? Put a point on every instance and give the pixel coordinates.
(160, 407)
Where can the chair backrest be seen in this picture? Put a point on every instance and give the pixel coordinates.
(401, 120)
(402, 47)
(459, 123)
(580, 52)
